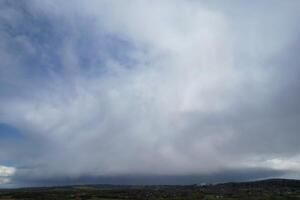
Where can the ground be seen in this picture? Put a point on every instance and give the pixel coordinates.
(276, 189)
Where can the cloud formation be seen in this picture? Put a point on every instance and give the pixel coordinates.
(6, 173)
(104, 88)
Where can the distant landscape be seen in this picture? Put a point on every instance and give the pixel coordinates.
(275, 189)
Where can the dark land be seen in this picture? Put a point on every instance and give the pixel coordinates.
(275, 189)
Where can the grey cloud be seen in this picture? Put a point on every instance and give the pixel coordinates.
(131, 179)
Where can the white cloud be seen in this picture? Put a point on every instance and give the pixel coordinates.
(277, 163)
(6, 173)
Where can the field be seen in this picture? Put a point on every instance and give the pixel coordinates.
(275, 189)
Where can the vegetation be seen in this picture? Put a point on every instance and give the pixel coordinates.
(275, 189)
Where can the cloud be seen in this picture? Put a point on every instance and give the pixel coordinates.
(105, 88)
(6, 173)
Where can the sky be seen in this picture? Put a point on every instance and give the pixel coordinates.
(148, 92)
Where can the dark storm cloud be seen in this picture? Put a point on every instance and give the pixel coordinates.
(148, 92)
